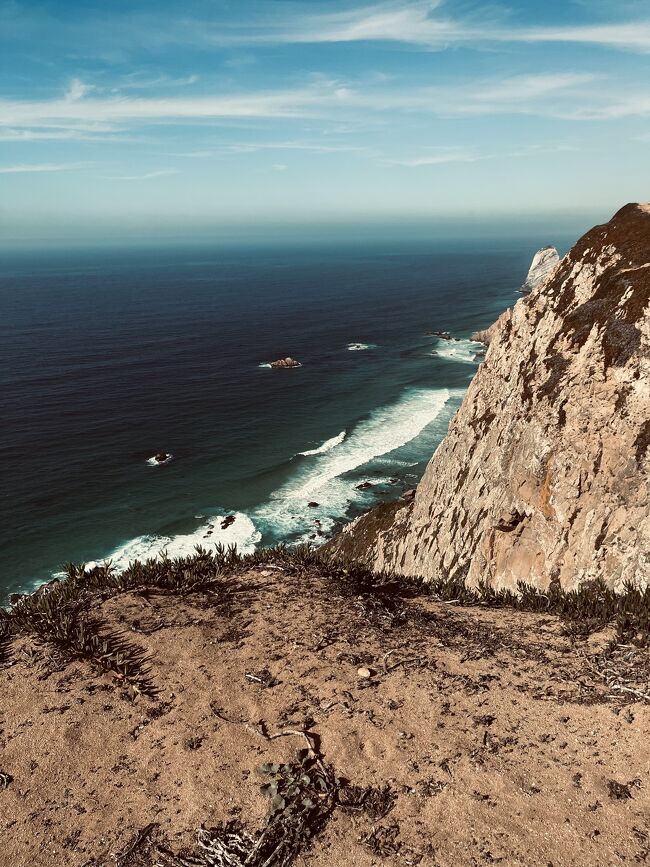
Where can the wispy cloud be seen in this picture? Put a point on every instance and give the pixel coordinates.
(542, 94)
(633, 35)
(424, 23)
(77, 90)
(29, 135)
(24, 168)
(434, 159)
(465, 155)
(253, 147)
(65, 112)
(140, 81)
(526, 88)
(159, 173)
(394, 22)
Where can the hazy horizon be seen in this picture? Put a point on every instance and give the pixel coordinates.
(254, 118)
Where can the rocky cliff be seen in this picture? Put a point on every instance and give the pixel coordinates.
(544, 474)
(544, 263)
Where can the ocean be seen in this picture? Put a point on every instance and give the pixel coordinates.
(110, 356)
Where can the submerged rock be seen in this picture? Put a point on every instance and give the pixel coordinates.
(159, 458)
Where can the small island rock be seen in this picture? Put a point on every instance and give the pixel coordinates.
(284, 363)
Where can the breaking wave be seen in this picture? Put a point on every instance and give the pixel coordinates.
(241, 533)
(319, 493)
(463, 351)
(359, 347)
(327, 446)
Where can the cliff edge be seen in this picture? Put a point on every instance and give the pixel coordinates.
(544, 263)
(544, 473)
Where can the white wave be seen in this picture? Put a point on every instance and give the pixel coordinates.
(241, 533)
(392, 462)
(265, 365)
(154, 463)
(327, 446)
(463, 351)
(287, 515)
(322, 481)
(359, 347)
(384, 431)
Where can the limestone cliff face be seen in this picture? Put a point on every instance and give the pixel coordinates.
(544, 263)
(542, 268)
(545, 472)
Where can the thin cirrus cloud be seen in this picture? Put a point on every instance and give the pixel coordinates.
(26, 168)
(424, 23)
(159, 173)
(563, 95)
(65, 111)
(462, 155)
(435, 159)
(433, 24)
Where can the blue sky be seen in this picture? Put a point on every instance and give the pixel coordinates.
(127, 115)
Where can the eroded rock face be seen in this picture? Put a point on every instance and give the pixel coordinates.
(544, 263)
(545, 472)
(543, 266)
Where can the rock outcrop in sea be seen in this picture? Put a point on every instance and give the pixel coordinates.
(544, 475)
(283, 363)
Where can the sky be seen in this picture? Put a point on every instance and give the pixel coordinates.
(130, 117)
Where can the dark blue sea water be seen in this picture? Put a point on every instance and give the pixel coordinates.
(108, 357)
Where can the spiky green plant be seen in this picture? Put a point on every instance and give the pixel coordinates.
(5, 638)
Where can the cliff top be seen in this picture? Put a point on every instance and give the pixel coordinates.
(431, 733)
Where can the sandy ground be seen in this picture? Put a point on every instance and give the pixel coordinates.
(495, 731)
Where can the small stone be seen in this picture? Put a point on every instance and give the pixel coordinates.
(364, 672)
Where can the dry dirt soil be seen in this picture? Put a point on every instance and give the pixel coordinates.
(493, 736)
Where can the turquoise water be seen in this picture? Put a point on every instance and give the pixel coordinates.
(108, 357)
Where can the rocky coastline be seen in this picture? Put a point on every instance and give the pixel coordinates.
(543, 477)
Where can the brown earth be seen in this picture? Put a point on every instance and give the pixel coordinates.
(503, 739)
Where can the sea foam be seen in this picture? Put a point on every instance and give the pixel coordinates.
(360, 347)
(327, 446)
(385, 430)
(241, 533)
(463, 351)
(154, 463)
(287, 514)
